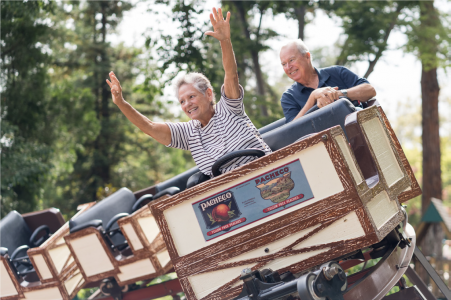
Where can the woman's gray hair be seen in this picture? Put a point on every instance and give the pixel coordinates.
(198, 80)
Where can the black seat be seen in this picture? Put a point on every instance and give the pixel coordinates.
(14, 232)
(179, 181)
(278, 134)
(16, 238)
(120, 202)
(107, 212)
(114, 207)
(321, 119)
(272, 126)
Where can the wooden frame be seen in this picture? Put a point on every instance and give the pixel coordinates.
(357, 201)
(51, 273)
(145, 252)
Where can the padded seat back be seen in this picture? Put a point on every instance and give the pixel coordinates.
(321, 119)
(272, 126)
(120, 202)
(14, 232)
(177, 181)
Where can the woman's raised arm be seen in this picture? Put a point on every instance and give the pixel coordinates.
(159, 131)
(221, 32)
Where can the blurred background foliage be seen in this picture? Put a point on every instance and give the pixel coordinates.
(64, 143)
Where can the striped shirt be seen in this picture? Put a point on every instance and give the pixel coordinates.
(229, 129)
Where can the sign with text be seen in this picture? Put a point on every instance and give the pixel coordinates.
(252, 200)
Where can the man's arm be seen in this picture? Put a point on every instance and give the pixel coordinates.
(362, 92)
(321, 97)
(358, 87)
(159, 131)
(222, 34)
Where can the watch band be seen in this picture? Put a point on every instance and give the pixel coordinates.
(345, 93)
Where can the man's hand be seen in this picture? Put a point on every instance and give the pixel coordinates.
(221, 27)
(116, 89)
(325, 96)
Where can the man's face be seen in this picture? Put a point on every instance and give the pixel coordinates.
(294, 63)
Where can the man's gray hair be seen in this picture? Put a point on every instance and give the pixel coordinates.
(302, 48)
(199, 81)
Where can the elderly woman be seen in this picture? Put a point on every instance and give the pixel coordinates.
(214, 129)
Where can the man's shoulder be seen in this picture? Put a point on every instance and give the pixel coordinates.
(292, 88)
(332, 69)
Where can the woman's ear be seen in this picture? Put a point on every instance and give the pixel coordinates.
(210, 95)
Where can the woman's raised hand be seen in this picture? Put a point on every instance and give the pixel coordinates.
(116, 89)
(221, 27)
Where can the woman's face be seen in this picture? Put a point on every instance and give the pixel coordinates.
(196, 105)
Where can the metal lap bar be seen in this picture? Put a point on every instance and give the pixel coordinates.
(432, 273)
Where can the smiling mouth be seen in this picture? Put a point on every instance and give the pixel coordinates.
(293, 72)
(194, 109)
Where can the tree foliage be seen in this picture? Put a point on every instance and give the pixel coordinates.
(26, 133)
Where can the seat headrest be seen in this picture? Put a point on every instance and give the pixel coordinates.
(14, 232)
(319, 120)
(120, 202)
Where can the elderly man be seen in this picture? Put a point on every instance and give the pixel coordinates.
(317, 86)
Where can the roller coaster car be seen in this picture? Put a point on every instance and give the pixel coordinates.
(119, 238)
(315, 199)
(30, 260)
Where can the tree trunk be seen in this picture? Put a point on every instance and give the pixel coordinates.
(432, 183)
(101, 168)
(300, 14)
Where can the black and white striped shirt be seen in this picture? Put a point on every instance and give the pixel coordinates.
(229, 129)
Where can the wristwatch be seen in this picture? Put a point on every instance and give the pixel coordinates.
(345, 93)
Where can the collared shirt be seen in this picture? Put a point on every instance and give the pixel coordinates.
(295, 97)
(229, 129)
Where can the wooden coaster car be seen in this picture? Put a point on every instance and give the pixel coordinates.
(308, 202)
(116, 238)
(39, 265)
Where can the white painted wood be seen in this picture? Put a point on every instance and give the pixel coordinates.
(384, 153)
(59, 256)
(44, 294)
(408, 189)
(346, 228)
(136, 269)
(82, 281)
(132, 236)
(318, 168)
(289, 260)
(71, 260)
(7, 287)
(91, 255)
(205, 283)
(73, 282)
(163, 258)
(382, 209)
(149, 227)
(60, 241)
(344, 147)
(41, 265)
(273, 247)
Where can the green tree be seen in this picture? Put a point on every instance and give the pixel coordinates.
(430, 40)
(26, 133)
